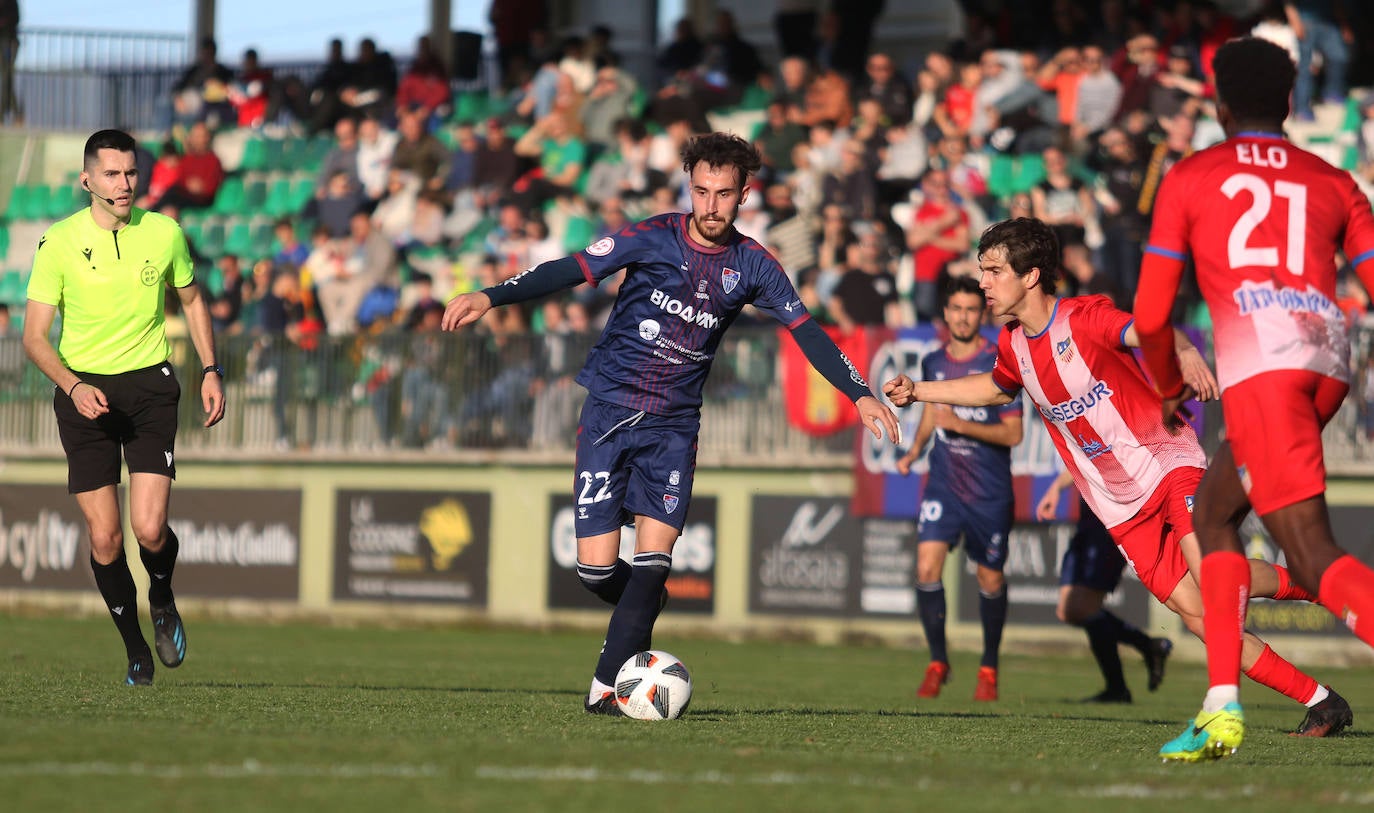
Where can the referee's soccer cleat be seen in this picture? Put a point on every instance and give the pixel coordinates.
(169, 635)
(1155, 656)
(605, 705)
(937, 675)
(140, 670)
(1210, 735)
(1328, 718)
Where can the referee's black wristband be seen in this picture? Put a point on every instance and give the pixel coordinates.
(78, 383)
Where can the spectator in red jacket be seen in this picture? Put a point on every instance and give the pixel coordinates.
(201, 173)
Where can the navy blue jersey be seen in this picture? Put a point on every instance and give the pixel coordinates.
(676, 301)
(960, 466)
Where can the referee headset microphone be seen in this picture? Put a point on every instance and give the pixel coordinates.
(88, 188)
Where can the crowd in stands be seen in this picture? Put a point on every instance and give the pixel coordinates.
(878, 175)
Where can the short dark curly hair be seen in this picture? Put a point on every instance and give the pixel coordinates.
(1254, 79)
(1029, 244)
(722, 150)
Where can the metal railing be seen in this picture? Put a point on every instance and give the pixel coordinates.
(86, 79)
(401, 396)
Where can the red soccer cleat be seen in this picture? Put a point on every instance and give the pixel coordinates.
(986, 689)
(937, 675)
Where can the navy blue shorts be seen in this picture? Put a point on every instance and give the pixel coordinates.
(1093, 560)
(984, 526)
(631, 463)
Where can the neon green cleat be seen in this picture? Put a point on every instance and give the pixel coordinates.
(1211, 735)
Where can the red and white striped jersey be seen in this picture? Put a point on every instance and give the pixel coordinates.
(1101, 412)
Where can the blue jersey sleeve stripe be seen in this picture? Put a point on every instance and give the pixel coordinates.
(1123, 332)
(1359, 258)
(1164, 252)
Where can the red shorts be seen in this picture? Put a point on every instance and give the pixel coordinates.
(1149, 540)
(1274, 423)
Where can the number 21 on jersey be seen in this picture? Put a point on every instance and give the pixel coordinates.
(1240, 252)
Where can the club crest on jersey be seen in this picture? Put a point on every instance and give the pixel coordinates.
(1064, 349)
(729, 277)
(670, 503)
(1188, 501)
(1092, 448)
(601, 247)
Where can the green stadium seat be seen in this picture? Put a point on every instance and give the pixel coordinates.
(4, 240)
(470, 106)
(12, 287)
(238, 240)
(755, 97)
(301, 193)
(254, 196)
(212, 237)
(272, 155)
(278, 198)
(254, 156)
(229, 198)
(66, 199)
(32, 204)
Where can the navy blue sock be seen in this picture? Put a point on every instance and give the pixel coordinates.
(159, 566)
(993, 611)
(632, 622)
(606, 581)
(116, 585)
(930, 603)
(1103, 635)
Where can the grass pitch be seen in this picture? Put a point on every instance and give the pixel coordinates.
(300, 717)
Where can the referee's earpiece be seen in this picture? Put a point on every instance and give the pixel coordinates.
(85, 185)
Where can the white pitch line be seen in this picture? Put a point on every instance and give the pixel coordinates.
(247, 769)
(572, 773)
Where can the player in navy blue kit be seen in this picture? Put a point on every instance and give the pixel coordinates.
(1091, 570)
(686, 279)
(968, 491)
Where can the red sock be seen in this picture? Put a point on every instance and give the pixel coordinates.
(1290, 590)
(1282, 676)
(1347, 590)
(1225, 593)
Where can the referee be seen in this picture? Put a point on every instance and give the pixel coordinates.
(105, 269)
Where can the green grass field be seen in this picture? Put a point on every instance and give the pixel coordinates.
(301, 717)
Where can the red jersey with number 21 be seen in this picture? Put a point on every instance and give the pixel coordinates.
(1263, 220)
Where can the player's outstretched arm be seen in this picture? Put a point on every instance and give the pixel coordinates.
(465, 309)
(970, 390)
(532, 283)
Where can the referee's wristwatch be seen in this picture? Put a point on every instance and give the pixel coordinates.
(213, 368)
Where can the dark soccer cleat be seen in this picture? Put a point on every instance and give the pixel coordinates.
(140, 670)
(169, 635)
(1326, 719)
(1155, 656)
(607, 706)
(1110, 696)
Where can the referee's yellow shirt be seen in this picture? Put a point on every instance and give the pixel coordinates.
(109, 287)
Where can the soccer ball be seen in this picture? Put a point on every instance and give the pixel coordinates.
(653, 685)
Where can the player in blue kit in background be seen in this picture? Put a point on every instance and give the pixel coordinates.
(968, 491)
(686, 279)
(1091, 570)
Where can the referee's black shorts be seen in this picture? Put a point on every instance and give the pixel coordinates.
(142, 420)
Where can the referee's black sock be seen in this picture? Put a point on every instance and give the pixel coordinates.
(160, 566)
(632, 622)
(116, 585)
